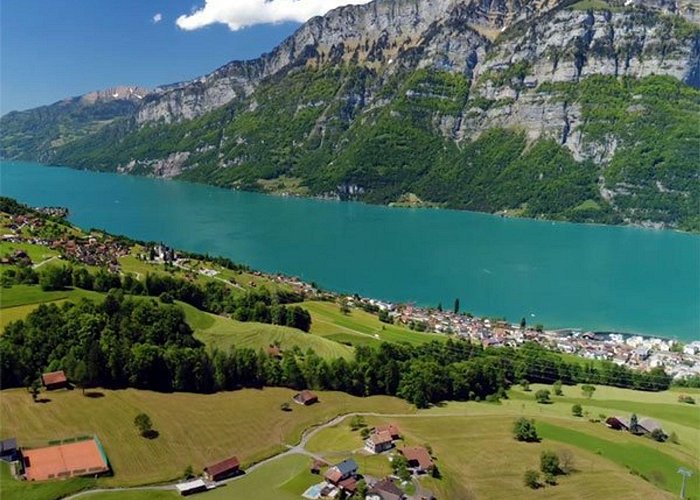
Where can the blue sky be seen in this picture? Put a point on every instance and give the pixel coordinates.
(51, 49)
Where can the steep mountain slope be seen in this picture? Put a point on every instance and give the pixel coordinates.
(543, 108)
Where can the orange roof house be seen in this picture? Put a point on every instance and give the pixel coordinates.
(390, 428)
(418, 458)
(54, 380)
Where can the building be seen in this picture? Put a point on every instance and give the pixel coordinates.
(191, 487)
(644, 425)
(618, 423)
(223, 470)
(418, 459)
(343, 470)
(77, 457)
(8, 450)
(306, 398)
(648, 425)
(379, 442)
(391, 429)
(54, 380)
(385, 490)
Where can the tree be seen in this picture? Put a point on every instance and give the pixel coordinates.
(588, 390)
(456, 307)
(674, 438)
(525, 385)
(532, 479)
(189, 472)
(361, 488)
(634, 424)
(357, 422)
(577, 410)
(400, 466)
(550, 479)
(439, 306)
(549, 463)
(566, 461)
(344, 308)
(285, 407)
(365, 432)
(523, 323)
(144, 425)
(55, 278)
(80, 375)
(556, 388)
(542, 396)
(525, 430)
(35, 389)
(658, 435)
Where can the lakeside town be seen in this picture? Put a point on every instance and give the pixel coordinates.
(640, 352)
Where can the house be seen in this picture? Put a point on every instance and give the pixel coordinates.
(54, 380)
(349, 485)
(379, 442)
(648, 425)
(343, 470)
(306, 398)
(222, 470)
(385, 490)
(418, 458)
(274, 351)
(392, 429)
(191, 487)
(8, 450)
(618, 423)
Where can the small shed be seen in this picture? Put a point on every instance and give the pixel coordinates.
(8, 450)
(305, 398)
(54, 380)
(222, 470)
(191, 487)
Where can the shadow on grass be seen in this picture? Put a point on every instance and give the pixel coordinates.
(94, 394)
(152, 434)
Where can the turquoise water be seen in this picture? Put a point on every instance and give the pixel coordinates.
(558, 274)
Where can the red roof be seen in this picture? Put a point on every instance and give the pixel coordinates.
(419, 455)
(333, 475)
(381, 437)
(52, 378)
(306, 396)
(222, 467)
(390, 428)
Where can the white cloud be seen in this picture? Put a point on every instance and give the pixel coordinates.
(237, 14)
(157, 18)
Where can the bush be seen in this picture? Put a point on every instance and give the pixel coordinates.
(566, 461)
(550, 479)
(549, 463)
(532, 479)
(525, 430)
(144, 425)
(542, 396)
(357, 422)
(556, 388)
(658, 435)
(577, 410)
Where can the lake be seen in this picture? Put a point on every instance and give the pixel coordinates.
(558, 274)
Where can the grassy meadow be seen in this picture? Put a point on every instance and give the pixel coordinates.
(194, 429)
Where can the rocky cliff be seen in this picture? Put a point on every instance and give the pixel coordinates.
(413, 96)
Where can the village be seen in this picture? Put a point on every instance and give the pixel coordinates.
(639, 352)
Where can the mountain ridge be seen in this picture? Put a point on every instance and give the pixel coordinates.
(376, 101)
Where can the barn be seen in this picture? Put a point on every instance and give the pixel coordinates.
(54, 380)
(222, 470)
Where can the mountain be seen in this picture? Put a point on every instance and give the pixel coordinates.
(582, 111)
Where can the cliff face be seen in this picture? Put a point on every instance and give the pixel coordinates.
(582, 111)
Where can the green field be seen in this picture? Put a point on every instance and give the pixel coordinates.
(37, 253)
(359, 327)
(222, 333)
(195, 429)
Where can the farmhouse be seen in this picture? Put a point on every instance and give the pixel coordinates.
(618, 423)
(8, 450)
(390, 428)
(385, 490)
(71, 458)
(418, 458)
(379, 442)
(644, 425)
(343, 470)
(222, 470)
(54, 380)
(306, 398)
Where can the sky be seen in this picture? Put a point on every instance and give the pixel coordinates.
(52, 49)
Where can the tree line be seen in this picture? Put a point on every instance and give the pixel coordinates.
(136, 342)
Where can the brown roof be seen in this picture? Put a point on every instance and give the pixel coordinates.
(390, 428)
(54, 378)
(387, 486)
(274, 351)
(333, 475)
(305, 396)
(381, 437)
(418, 454)
(224, 466)
(349, 484)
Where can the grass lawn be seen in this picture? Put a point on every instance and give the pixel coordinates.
(194, 429)
(37, 253)
(327, 320)
(21, 295)
(221, 332)
(134, 495)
